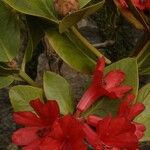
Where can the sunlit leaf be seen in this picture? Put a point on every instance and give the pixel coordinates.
(21, 95)
(144, 117)
(57, 88)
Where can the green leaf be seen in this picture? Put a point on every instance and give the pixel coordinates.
(144, 60)
(76, 16)
(39, 8)
(129, 16)
(144, 117)
(83, 3)
(105, 106)
(5, 81)
(69, 52)
(7, 71)
(57, 88)
(21, 95)
(9, 34)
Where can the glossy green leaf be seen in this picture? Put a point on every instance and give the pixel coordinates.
(144, 60)
(39, 8)
(144, 117)
(129, 16)
(76, 16)
(21, 95)
(57, 88)
(5, 81)
(9, 34)
(69, 52)
(105, 106)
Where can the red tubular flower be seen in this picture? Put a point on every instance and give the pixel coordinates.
(111, 133)
(37, 126)
(108, 85)
(118, 132)
(140, 4)
(67, 134)
(128, 109)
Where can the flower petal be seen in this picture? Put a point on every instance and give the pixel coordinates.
(140, 129)
(135, 110)
(113, 79)
(118, 92)
(128, 109)
(93, 120)
(90, 97)
(50, 144)
(33, 146)
(25, 136)
(98, 74)
(91, 136)
(124, 107)
(142, 5)
(27, 119)
(48, 111)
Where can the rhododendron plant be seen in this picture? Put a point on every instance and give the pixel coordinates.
(47, 129)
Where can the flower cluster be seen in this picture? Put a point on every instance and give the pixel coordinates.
(47, 129)
(140, 4)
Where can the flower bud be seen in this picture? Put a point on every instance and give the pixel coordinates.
(64, 7)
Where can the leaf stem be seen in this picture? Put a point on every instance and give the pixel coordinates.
(87, 44)
(137, 14)
(26, 78)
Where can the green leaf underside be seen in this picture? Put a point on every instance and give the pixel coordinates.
(9, 34)
(21, 95)
(57, 88)
(144, 117)
(83, 3)
(5, 81)
(39, 8)
(76, 16)
(107, 106)
(69, 52)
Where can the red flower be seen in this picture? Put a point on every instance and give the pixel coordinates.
(108, 85)
(37, 126)
(111, 133)
(130, 111)
(140, 4)
(119, 132)
(67, 134)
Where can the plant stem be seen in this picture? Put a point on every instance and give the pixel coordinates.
(87, 44)
(137, 15)
(26, 78)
